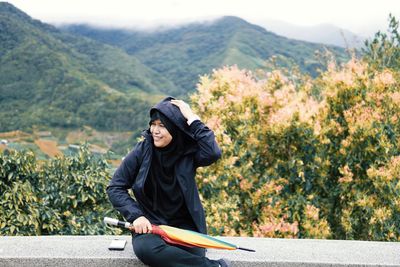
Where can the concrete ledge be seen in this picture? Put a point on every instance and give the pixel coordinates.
(86, 251)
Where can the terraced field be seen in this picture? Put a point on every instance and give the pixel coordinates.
(48, 144)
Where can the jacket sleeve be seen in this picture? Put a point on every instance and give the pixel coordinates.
(123, 179)
(208, 151)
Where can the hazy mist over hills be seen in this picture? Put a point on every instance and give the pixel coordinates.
(323, 33)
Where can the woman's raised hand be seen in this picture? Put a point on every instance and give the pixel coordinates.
(184, 108)
(141, 226)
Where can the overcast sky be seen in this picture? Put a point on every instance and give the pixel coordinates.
(360, 16)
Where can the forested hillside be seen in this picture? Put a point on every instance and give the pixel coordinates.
(51, 78)
(184, 53)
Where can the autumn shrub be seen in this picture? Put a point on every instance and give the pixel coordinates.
(295, 166)
(269, 178)
(360, 128)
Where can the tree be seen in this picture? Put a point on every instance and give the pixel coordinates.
(384, 49)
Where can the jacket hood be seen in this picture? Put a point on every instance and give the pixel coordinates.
(173, 113)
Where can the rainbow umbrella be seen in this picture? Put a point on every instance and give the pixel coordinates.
(182, 237)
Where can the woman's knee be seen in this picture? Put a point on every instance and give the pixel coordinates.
(146, 247)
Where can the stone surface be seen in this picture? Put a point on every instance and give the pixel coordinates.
(93, 251)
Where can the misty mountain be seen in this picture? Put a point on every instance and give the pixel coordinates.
(108, 78)
(183, 53)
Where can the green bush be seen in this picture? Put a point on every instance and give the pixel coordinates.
(20, 204)
(61, 196)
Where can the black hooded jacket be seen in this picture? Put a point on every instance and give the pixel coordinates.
(133, 171)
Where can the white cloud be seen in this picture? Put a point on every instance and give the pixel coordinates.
(355, 15)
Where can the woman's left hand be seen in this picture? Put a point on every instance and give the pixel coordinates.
(184, 108)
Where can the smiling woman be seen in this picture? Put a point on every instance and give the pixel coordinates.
(161, 135)
(161, 171)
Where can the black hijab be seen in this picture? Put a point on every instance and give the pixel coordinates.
(162, 187)
(168, 155)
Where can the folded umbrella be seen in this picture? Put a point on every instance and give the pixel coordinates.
(182, 237)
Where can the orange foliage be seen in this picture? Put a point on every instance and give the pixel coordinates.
(302, 157)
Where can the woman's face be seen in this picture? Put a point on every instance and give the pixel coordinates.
(160, 134)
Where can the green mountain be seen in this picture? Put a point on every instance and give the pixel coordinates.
(56, 79)
(107, 78)
(184, 53)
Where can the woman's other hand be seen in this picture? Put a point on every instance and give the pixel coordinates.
(141, 226)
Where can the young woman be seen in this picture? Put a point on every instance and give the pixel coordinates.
(161, 172)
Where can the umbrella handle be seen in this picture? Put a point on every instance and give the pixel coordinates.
(114, 222)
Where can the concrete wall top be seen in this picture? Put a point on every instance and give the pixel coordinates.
(93, 251)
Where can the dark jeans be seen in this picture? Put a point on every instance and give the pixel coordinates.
(152, 250)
